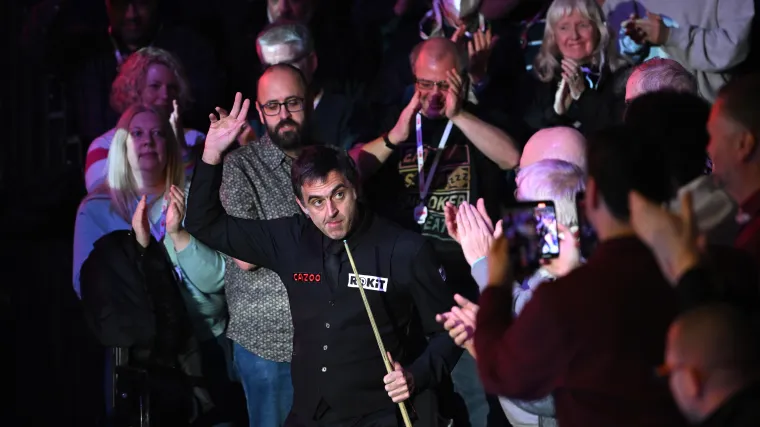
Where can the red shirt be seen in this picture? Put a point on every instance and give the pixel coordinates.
(749, 234)
(591, 338)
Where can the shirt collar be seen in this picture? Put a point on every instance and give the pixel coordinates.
(749, 209)
(272, 155)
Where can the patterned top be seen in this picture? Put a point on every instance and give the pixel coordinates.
(256, 185)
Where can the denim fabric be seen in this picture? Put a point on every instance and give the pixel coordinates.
(268, 388)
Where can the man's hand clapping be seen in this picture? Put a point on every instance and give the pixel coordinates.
(224, 130)
(404, 124)
(471, 227)
(460, 322)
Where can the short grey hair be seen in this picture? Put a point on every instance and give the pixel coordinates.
(447, 47)
(659, 74)
(296, 35)
(555, 180)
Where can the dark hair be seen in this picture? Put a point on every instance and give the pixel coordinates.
(620, 159)
(316, 162)
(741, 102)
(678, 122)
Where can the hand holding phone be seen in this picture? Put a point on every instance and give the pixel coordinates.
(531, 230)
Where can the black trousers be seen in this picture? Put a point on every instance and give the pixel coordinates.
(382, 418)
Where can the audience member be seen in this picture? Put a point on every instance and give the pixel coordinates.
(548, 179)
(144, 163)
(596, 351)
(152, 77)
(336, 117)
(256, 185)
(713, 365)
(708, 37)
(677, 123)
(578, 73)
(134, 25)
(657, 75)
(561, 143)
(734, 128)
(464, 155)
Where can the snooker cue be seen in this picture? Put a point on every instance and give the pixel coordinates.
(388, 367)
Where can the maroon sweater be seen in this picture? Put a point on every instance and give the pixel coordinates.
(591, 338)
(749, 235)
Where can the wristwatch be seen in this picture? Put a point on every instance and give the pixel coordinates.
(388, 142)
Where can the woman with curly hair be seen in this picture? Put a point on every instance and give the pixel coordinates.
(578, 75)
(151, 77)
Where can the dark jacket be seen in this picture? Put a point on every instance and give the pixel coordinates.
(131, 297)
(596, 108)
(335, 357)
(741, 410)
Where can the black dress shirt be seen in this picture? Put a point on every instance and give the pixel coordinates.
(336, 359)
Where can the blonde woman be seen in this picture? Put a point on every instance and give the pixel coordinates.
(144, 164)
(152, 77)
(578, 76)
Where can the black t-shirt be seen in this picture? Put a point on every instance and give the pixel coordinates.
(463, 174)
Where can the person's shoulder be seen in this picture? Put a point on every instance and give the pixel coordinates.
(398, 236)
(103, 141)
(240, 154)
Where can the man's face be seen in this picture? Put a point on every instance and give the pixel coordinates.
(331, 204)
(684, 389)
(285, 123)
(433, 83)
(132, 19)
(723, 148)
(291, 10)
(289, 54)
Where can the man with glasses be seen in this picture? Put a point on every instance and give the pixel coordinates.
(256, 185)
(337, 119)
(441, 150)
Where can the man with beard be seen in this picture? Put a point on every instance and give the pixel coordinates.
(256, 185)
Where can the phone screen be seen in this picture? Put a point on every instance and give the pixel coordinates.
(531, 229)
(588, 238)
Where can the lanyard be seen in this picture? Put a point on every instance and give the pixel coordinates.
(425, 183)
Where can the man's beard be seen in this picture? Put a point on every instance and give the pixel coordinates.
(289, 140)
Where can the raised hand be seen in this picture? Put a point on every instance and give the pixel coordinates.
(673, 238)
(572, 74)
(460, 322)
(399, 384)
(403, 127)
(140, 224)
(224, 130)
(454, 94)
(652, 29)
(479, 51)
(475, 235)
(174, 120)
(176, 210)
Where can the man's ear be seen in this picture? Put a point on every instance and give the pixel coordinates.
(694, 383)
(261, 115)
(300, 205)
(593, 198)
(747, 146)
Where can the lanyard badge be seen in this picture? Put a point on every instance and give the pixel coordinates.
(421, 211)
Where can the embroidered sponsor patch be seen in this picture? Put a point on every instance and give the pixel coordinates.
(307, 277)
(442, 272)
(372, 283)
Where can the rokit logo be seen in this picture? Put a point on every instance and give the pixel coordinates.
(372, 283)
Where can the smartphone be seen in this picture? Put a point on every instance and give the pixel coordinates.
(586, 233)
(531, 229)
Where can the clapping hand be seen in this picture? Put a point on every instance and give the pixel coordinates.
(454, 94)
(403, 127)
(572, 74)
(176, 122)
(651, 30)
(224, 130)
(176, 210)
(460, 322)
(471, 227)
(140, 224)
(478, 50)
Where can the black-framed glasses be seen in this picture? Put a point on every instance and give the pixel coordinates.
(292, 105)
(430, 85)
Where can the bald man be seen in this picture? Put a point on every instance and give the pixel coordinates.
(462, 154)
(657, 75)
(560, 143)
(256, 185)
(712, 360)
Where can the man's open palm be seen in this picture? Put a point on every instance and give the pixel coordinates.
(224, 130)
